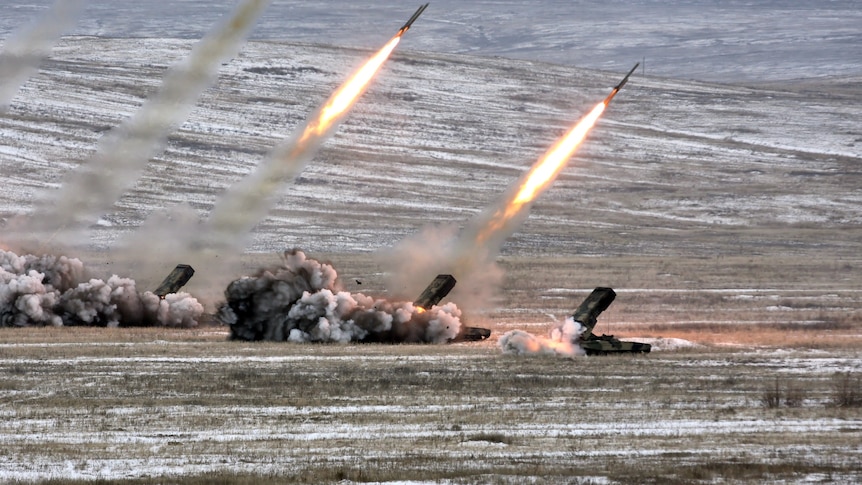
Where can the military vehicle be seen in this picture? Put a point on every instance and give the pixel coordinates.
(176, 280)
(436, 291)
(587, 314)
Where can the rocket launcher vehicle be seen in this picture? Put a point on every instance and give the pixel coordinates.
(587, 315)
(436, 291)
(176, 280)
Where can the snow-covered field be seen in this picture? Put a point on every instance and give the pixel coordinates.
(708, 207)
(439, 137)
(465, 413)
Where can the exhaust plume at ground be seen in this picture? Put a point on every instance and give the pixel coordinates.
(55, 290)
(302, 301)
(26, 48)
(123, 153)
(562, 341)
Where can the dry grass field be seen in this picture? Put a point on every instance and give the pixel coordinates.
(162, 406)
(763, 397)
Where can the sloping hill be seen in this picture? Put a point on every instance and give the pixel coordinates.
(675, 170)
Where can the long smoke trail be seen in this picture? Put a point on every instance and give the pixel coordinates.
(247, 202)
(213, 248)
(483, 237)
(470, 255)
(26, 48)
(122, 154)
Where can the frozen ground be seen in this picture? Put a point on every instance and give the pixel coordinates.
(318, 414)
(439, 137)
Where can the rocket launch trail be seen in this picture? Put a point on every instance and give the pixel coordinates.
(222, 237)
(246, 203)
(502, 221)
(25, 49)
(470, 255)
(123, 153)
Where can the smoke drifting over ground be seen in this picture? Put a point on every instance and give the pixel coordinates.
(54, 290)
(414, 262)
(302, 301)
(563, 341)
(25, 49)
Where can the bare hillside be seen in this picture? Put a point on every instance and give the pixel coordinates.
(683, 174)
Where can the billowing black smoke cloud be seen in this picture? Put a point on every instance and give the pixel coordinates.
(54, 290)
(301, 301)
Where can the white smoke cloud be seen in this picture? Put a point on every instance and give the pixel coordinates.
(54, 290)
(175, 310)
(25, 300)
(302, 301)
(563, 341)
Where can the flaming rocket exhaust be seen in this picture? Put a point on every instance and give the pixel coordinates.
(620, 85)
(469, 256)
(412, 19)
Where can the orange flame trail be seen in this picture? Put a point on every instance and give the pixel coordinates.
(543, 173)
(247, 202)
(345, 97)
(470, 256)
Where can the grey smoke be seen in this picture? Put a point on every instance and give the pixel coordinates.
(562, 341)
(25, 49)
(54, 290)
(123, 153)
(302, 301)
(434, 250)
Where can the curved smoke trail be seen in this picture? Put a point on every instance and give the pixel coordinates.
(301, 301)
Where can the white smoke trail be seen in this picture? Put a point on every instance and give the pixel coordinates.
(214, 247)
(27, 47)
(563, 341)
(123, 153)
(475, 249)
(246, 203)
(51, 290)
(301, 301)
